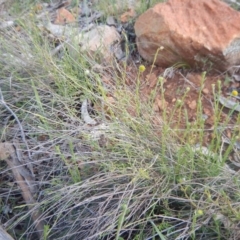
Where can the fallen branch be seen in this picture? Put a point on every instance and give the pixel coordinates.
(25, 181)
(2, 101)
(4, 235)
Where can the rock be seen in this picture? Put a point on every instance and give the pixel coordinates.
(190, 31)
(110, 21)
(64, 16)
(58, 30)
(101, 42)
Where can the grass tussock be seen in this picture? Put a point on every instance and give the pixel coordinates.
(128, 177)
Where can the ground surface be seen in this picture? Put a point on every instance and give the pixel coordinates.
(156, 155)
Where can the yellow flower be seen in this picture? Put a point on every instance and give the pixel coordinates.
(235, 93)
(161, 79)
(87, 72)
(141, 68)
(179, 102)
(199, 212)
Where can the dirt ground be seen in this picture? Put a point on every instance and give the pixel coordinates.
(190, 98)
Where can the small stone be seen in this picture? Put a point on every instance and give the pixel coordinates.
(205, 91)
(111, 21)
(101, 42)
(192, 104)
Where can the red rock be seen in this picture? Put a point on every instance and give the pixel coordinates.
(64, 16)
(192, 31)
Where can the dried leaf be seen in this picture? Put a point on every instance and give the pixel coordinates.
(236, 77)
(162, 104)
(229, 103)
(85, 115)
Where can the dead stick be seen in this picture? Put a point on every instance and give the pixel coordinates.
(24, 181)
(2, 101)
(4, 235)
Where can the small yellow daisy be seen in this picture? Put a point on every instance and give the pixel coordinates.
(235, 93)
(141, 68)
(199, 212)
(179, 102)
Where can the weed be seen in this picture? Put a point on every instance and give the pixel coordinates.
(132, 175)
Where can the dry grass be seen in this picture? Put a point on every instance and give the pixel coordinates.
(119, 179)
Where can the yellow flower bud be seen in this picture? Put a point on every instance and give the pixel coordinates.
(179, 101)
(235, 93)
(199, 212)
(142, 68)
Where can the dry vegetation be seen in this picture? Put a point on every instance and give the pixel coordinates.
(129, 176)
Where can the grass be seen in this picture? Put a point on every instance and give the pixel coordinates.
(125, 178)
(116, 8)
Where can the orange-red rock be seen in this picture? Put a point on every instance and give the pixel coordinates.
(64, 16)
(193, 31)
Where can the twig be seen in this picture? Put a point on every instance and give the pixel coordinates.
(186, 80)
(24, 181)
(18, 122)
(85, 115)
(4, 235)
